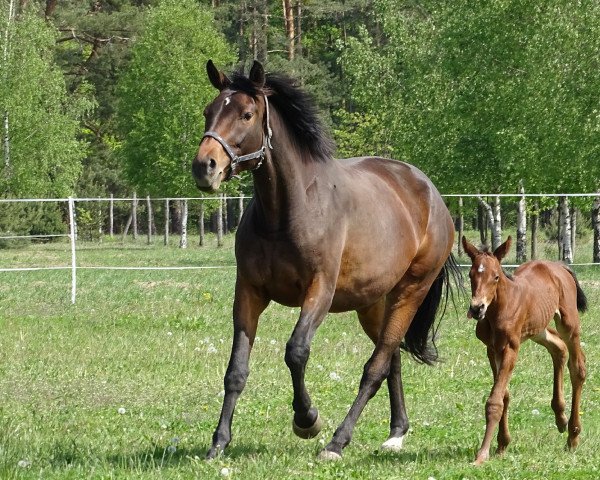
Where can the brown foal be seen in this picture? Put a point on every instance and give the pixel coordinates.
(511, 310)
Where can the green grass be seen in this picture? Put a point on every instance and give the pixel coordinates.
(156, 343)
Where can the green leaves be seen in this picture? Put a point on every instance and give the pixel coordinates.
(163, 93)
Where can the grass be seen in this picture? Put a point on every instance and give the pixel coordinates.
(127, 383)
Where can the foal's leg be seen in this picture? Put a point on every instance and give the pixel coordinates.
(307, 423)
(402, 304)
(371, 320)
(569, 330)
(558, 350)
(247, 306)
(503, 433)
(505, 357)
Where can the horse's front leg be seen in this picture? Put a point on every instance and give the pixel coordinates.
(306, 422)
(505, 357)
(248, 304)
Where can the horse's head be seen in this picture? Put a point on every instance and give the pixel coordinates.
(234, 136)
(484, 274)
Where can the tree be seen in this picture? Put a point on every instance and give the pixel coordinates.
(41, 148)
(163, 93)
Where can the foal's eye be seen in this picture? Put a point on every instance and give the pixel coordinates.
(497, 277)
(247, 116)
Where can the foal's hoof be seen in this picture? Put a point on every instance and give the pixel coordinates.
(561, 423)
(213, 452)
(329, 456)
(308, 432)
(393, 444)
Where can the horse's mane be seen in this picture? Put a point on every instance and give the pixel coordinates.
(297, 110)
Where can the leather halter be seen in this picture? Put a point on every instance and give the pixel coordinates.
(239, 159)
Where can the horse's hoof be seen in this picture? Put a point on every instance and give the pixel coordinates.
(309, 432)
(393, 444)
(561, 423)
(328, 456)
(213, 452)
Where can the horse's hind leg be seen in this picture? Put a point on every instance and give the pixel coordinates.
(569, 330)
(306, 423)
(371, 320)
(558, 350)
(247, 307)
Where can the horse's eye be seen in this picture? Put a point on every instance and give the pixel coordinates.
(497, 278)
(247, 116)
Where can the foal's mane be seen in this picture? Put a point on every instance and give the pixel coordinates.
(297, 110)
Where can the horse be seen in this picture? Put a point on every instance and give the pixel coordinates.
(510, 310)
(366, 234)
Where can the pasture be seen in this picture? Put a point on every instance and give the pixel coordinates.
(128, 382)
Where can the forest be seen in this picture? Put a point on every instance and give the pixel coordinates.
(106, 96)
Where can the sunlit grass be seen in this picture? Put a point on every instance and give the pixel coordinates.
(127, 383)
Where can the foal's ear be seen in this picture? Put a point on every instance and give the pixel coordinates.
(218, 79)
(469, 248)
(257, 74)
(503, 249)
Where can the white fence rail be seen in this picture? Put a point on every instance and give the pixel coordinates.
(72, 229)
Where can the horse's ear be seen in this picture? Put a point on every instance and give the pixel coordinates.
(218, 79)
(469, 248)
(257, 74)
(503, 249)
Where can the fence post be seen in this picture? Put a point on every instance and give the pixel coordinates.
(220, 222)
(461, 226)
(167, 220)
(73, 255)
(149, 212)
(134, 215)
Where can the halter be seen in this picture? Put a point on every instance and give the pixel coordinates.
(238, 159)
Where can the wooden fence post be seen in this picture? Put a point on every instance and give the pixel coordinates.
(220, 222)
(111, 216)
(167, 220)
(134, 216)
(149, 212)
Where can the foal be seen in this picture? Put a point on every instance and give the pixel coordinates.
(511, 310)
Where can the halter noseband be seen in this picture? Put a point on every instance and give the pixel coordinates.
(238, 159)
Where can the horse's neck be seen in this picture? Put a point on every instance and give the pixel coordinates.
(280, 184)
(505, 294)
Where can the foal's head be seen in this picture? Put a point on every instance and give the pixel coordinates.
(484, 274)
(236, 126)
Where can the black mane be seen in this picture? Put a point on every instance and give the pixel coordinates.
(297, 110)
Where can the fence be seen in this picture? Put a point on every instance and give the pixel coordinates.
(87, 217)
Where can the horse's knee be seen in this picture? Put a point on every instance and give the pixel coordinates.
(235, 379)
(577, 371)
(494, 409)
(296, 354)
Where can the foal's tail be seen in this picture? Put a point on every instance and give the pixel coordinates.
(582, 304)
(420, 338)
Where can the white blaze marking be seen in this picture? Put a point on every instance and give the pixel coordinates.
(227, 100)
(481, 268)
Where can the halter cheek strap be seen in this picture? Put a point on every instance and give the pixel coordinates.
(239, 159)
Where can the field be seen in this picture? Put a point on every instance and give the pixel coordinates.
(127, 383)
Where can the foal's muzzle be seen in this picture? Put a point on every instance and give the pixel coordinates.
(477, 311)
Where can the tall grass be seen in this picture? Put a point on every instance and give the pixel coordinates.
(127, 383)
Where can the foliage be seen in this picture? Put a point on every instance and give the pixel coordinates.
(162, 95)
(44, 156)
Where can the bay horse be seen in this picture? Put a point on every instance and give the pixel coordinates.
(510, 310)
(365, 234)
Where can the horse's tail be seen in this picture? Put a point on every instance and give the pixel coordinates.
(582, 304)
(420, 338)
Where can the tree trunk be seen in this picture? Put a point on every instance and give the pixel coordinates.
(176, 217)
(596, 228)
(566, 253)
(127, 225)
(220, 223)
(167, 221)
(111, 216)
(573, 231)
(225, 215)
(299, 27)
(288, 17)
(6, 122)
(184, 219)
(134, 216)
(482, 223)
(496, 223)
(461, 225)
(201, 223)
(522, 227)
(149, 212)
(240, 208)
(535, 220)
(50, 7)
